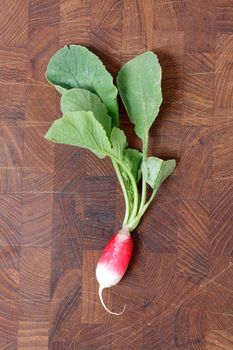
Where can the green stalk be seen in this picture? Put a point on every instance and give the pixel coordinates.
(126, 198)
(134, 223)
(135, 189)
(133, 182)
(144, 184)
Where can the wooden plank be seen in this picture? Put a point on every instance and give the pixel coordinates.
(14, 29)
(32, 335)
(11, 222)
(222, 145)
(192, 239)
(11, 153)
(10, 180)
(74, 22)
(171, 301)
(219, 286)
(37, 219)
(41, 99)
(69, 163)
(35, 267)
(9, 285)
(199, 99)
(195, 164)
(172, 14)
(223, 88)
(12, 102)
(106, 43)
(160, 234)
(9, 315)
(221, 338)
(199, 26)
(98, 225)
(220, 235)
(65, 309)
(137, 27)
(106, 14)
(9, 256)
(66, 235)
(34, 181)
(13, 65)
(224, 19)
(38, 153)
(59, 205)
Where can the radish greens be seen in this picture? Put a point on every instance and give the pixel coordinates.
(91, 120)
(74, 66)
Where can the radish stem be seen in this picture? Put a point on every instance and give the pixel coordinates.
(135, 190)
(144, 183)
(133, 224)
(121, 181)
(133, 182)
(102, 302)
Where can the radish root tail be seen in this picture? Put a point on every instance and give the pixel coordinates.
(109, 311)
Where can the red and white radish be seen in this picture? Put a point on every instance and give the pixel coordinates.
(91, 121)
(113, 263)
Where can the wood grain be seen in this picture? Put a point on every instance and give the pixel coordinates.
(59, 205)
(13, 64)
(12, 101)
(11, 153)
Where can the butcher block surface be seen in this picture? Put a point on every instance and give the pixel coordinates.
(59, 205)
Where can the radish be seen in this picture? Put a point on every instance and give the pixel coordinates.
(113, 263)
(90, 120)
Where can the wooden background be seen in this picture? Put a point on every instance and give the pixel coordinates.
(60, 205)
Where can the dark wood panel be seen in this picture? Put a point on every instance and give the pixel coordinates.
(59, 205)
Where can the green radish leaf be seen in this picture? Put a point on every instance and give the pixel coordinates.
(157, 170)
(139, 84)
(80, 129)
(119, 142)
(83, 100)
(75, 66)
(133, 158)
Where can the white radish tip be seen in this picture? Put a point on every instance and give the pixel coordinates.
(109, 311)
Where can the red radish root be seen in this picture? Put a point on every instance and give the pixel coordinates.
(113, 263)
